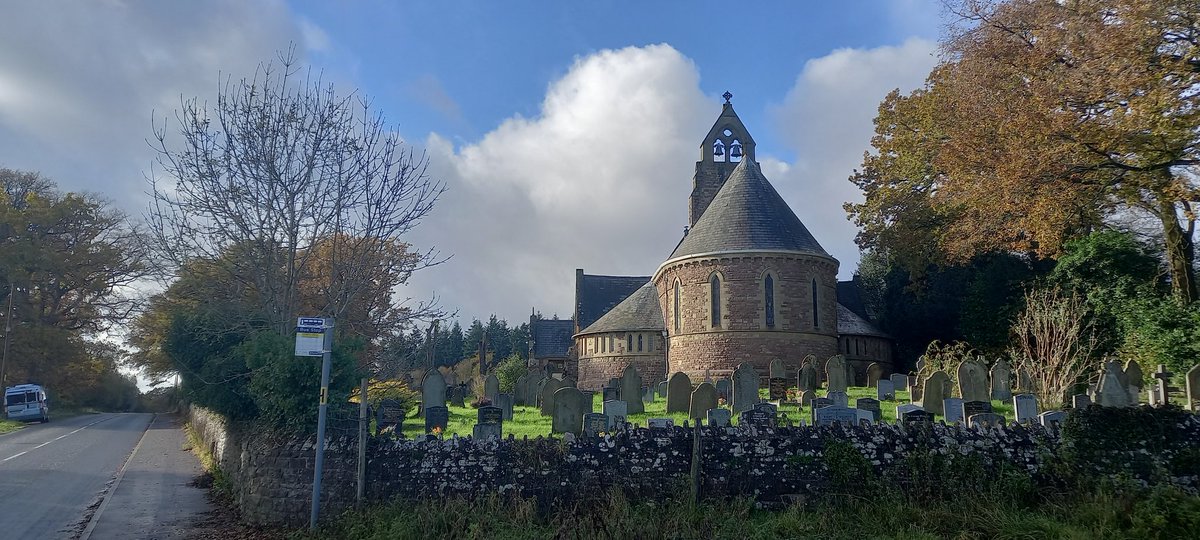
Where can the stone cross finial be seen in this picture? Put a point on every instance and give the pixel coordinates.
(1163, 377)
(727, 95)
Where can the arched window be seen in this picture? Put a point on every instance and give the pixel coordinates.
(629, 343)
(677, 315)
(769, 300)
(610, 344)
(816, 316)
(639, 343)
(714, 285)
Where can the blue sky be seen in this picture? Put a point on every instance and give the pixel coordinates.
(566, 132)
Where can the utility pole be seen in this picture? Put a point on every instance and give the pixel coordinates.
(322, 408)
(7, 332)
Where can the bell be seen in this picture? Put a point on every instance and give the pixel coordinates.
(735, 151)
(719, 150)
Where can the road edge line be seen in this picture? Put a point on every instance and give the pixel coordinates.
(87, 531)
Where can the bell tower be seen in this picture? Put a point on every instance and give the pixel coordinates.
(726, 144)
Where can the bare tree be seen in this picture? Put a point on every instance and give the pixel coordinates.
(284, 182)
(1053, 343)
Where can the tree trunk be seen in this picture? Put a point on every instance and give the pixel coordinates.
(1179, 251)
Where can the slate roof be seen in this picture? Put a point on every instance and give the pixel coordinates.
(640, 311)
(551, 338)
(848, 295)
(595, 295)
(747, 214)
(851, 324)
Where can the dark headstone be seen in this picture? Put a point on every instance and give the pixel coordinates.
(594, 423)
(872, 405)
(611, 393)
(827, 416)
(505, 402)
(777, 389)
(489, 415)
(487, 431)
(436, 416)
(820, 402)
(390, 414)
(660, 423)
(719, 417)
(971, 408)
(756, 418)
(916, 416)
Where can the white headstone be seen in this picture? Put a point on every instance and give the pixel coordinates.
(1026, 408)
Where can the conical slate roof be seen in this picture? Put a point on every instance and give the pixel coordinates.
(849, 323)
(638, 312)
(747, 214)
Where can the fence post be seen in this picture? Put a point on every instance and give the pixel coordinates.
(362, 441)
(695, 473)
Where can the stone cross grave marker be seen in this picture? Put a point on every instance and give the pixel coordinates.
(1134, 379)
(611, 394)
(433, 389)
(660, 423)
(935, 389)
(1001, 381)
(899, 382)
(679, 392)
(871, 405)
(777, 388)
(985, 420)
(390, 415)
(505, 402)
(1193, 388)
(839, 399)
(491, 387)
(1162, 383)
(594, 423)
(437, 416)
(631, 390)
(704, 398)
(1110, 392)
(745, 387)
(827, 416)
(972, 408)
(973, 382)
(1026, 407)
(724, 389)
(616, 412)
(885, 390)
(806, 378)
(458, 395)
(819, 402)
(1080, 401)
(776, 369)
(874, 374)
(953, 409)
(549, 388)
(569, 408)
(835, 373)
(719, 417)
(1052, 419)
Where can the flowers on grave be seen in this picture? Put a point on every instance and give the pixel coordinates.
(721, 402)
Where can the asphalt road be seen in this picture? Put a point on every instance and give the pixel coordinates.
(50, 474)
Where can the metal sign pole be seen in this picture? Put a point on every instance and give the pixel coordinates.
(327, 351)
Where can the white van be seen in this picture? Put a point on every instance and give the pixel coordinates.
(26, 402)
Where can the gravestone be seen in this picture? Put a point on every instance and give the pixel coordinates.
(1110, 392)
(719, 417)
(594, 423)
(1153, 397)
(533, 389)
(433, 390)
(631, 390)
(954, 410)
(973, 382)
(436, 416)
(806, 397)
(885, 391)
(1026, 407)
(519, 389)
(489, 414)
(491, 387)
(914, 389)
(756, 418)
(661, 389)
(985, 420)
(827, 416)
(871, 405)
(1162, 380)
(776, 369)
(679, 393)
(745, 387)
(505, 402)
(458, 396)
(390, 415)
(647, 394)
(616, 412)
(936, 388)
(972, 408)
(1001, 381)
(920, 365)
(609, 393)
(906, 407)
(704, 398)
(914, 416)
(487, 431)
(851, 379)
(614, 382)
(1052, 419)
(1024, 381)
(835, 374)
(546, 397)
(821, 402)
(724, 389)
(806, 378)
(769, 407)
(839, 399)
(777, 388)
(569, 408)
(874, 374)
(1080, 401)
(1134, 379)
(1192, 385)
(899, 382)
(660, 423)
(866, 418)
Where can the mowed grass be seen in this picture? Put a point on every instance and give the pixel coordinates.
(7, 425)
(529, 422)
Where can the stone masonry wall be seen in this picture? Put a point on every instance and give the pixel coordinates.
(595, 368)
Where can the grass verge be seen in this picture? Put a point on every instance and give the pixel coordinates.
(7, 426)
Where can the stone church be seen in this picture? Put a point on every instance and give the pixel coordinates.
(747, 283)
